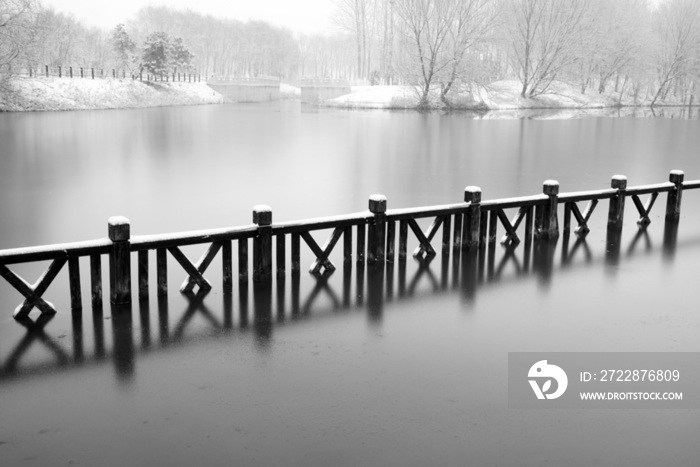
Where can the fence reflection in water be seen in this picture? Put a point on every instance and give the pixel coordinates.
(194, 318)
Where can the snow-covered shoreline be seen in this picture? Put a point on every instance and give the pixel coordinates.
(496, 100)
(500, 97)
(47, 94)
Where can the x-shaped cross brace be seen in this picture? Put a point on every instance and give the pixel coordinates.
(511, 237)
(35, 331)
(423, 268)
(322, 253)
(196, 304)
(644, 209)
(33, 293)
(582, 219)
(321, 284)
(509, 256)
(568, 253)
(195, 271)
(641, 233)
(425, 249)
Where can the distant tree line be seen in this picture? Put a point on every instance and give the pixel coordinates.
(625, 46)
(442, 46)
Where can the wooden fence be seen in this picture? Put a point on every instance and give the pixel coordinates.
(371, 234)
(47, 71)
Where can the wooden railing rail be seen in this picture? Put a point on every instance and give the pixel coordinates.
(471, 224)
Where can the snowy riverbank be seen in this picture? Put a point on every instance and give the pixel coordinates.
(35, 94)
(502, 96)
(497, 100)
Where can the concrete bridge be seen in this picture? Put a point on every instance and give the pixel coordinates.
(259, 89)
(265, 89)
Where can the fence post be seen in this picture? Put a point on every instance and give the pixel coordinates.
(470, 237)
(673, 200)
(262, 243)
(377, 229)
(60, 74)
(46, 67)
(547, 225)
(119, 231)
(92, 73)
(30, 71)
(616, 213)
(70, 71)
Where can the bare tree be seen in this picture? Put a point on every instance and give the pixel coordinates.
(677, 30)
(438, 35)
(474, 21)
(16, 31)
(357, 17)
(544, 34)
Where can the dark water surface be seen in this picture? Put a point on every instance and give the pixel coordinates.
(398, 367)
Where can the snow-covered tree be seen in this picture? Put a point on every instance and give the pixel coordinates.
(180, 57)
(124, 47)
(677, 30)
(156, 53)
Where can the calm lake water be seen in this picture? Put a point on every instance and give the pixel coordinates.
(402, 367)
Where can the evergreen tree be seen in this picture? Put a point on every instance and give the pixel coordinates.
(180, 57)
(156, 53)
(123, 46)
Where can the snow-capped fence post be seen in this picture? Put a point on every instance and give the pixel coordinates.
(92, 73)
(673, 200)
(377, 229)
(81, 72)
(472, 218)
(70, 71)
(119, 230)
(114, 73)
(46, 67)
(616, 211)
(262, 243)
(59, 72)
(546, 219)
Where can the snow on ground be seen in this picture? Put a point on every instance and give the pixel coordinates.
(502, 96)
(289, 91)
(506, 95)
(377, 97)
(80, 94)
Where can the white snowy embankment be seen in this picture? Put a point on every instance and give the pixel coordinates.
(81, 94)
(500, 95)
